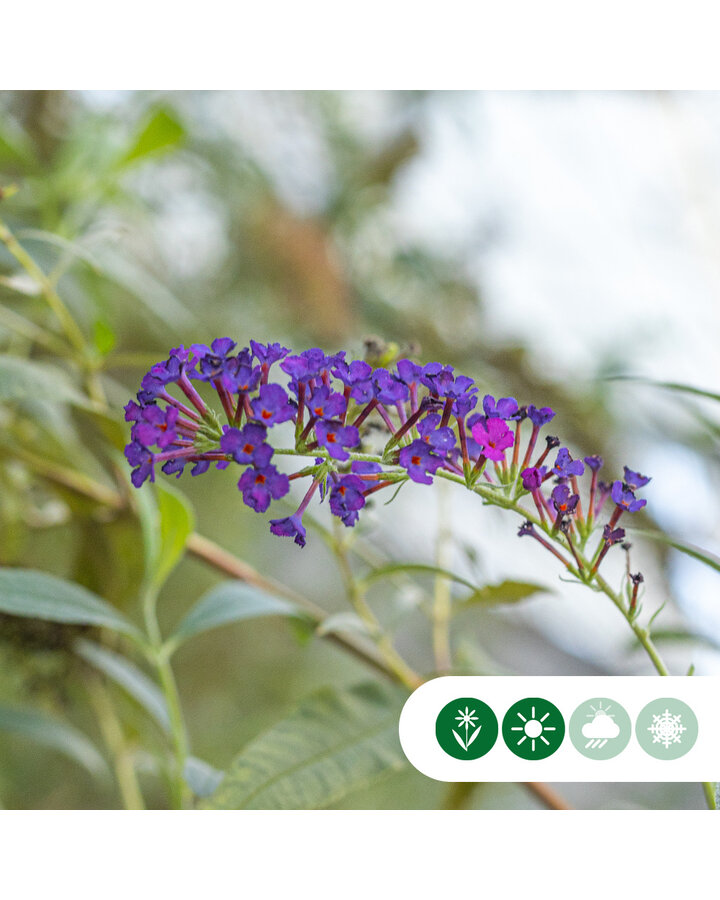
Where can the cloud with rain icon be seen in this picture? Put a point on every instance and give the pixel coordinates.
(600, 730)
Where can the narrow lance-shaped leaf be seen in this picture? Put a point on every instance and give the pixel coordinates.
(161, 132)
(24, 379)
(420, 568)
(505, 592)
(231, 601)
(669, 386)
(129, 677)
(335, 743)
(37, 595)
(42, 729)
(703, 556)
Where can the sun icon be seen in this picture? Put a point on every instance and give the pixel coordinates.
(533, 728)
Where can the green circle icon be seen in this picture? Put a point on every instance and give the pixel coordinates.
(466, 728)
(600, 728)
(533, 728)
(666, 728)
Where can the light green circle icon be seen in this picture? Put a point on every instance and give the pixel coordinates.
(600, 728)
(666, 728)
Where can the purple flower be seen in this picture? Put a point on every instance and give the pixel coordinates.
(241, 378)
(437, 377)
(563, 501)
(408, 371)
(155, 426)
(174, 467)
(440, 439)
(613, 536)
(247, 445)
(460, 387)
(388, 388)
(211, 362)
(595, 463)
(462, 406)
(290, 526)
(494, 438)
(420, 461)
(505, 408)
(163, 373)
(308, 365)
(200, 467)
(260, 486)
(623, 497)
(565, 466)
(532, 478)
(267, 354)
(140, 457)
(358, 376)
(540, 416)
(336, 438)
(635, 480)
(326, 404)
(360, 467)
(527, 528)
(272, 405)
(347, 498)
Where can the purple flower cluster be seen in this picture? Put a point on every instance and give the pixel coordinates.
(431, 414)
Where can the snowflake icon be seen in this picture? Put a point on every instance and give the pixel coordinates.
(667, 729)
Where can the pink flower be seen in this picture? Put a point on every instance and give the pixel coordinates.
(494, 437)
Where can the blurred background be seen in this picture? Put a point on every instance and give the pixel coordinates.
(561, 248)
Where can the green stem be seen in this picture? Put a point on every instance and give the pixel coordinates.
(60, 310)
(114, 740)
(394, 661)
(441, 607)
(160, 659)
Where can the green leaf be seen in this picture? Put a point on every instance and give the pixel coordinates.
(395, 568)
(231, 601)
(170, 315)
(668, 386)
(73, 248)
(704, 556)
(202, 778)
(335, 743)
(344, 622)
(104, 338)
(52, 733)
(677, 635)
(167, 521)
(37, 595)
(177, 522)
(25, 379)
(161, 132)
(129, 677)
(505, 592)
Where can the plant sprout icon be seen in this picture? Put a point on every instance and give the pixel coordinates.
(601, 729)
(468, 719)
(533, 729)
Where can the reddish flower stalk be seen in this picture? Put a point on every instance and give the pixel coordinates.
(531, 446)
(187, 388)
(516, 446)
(225, 399)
